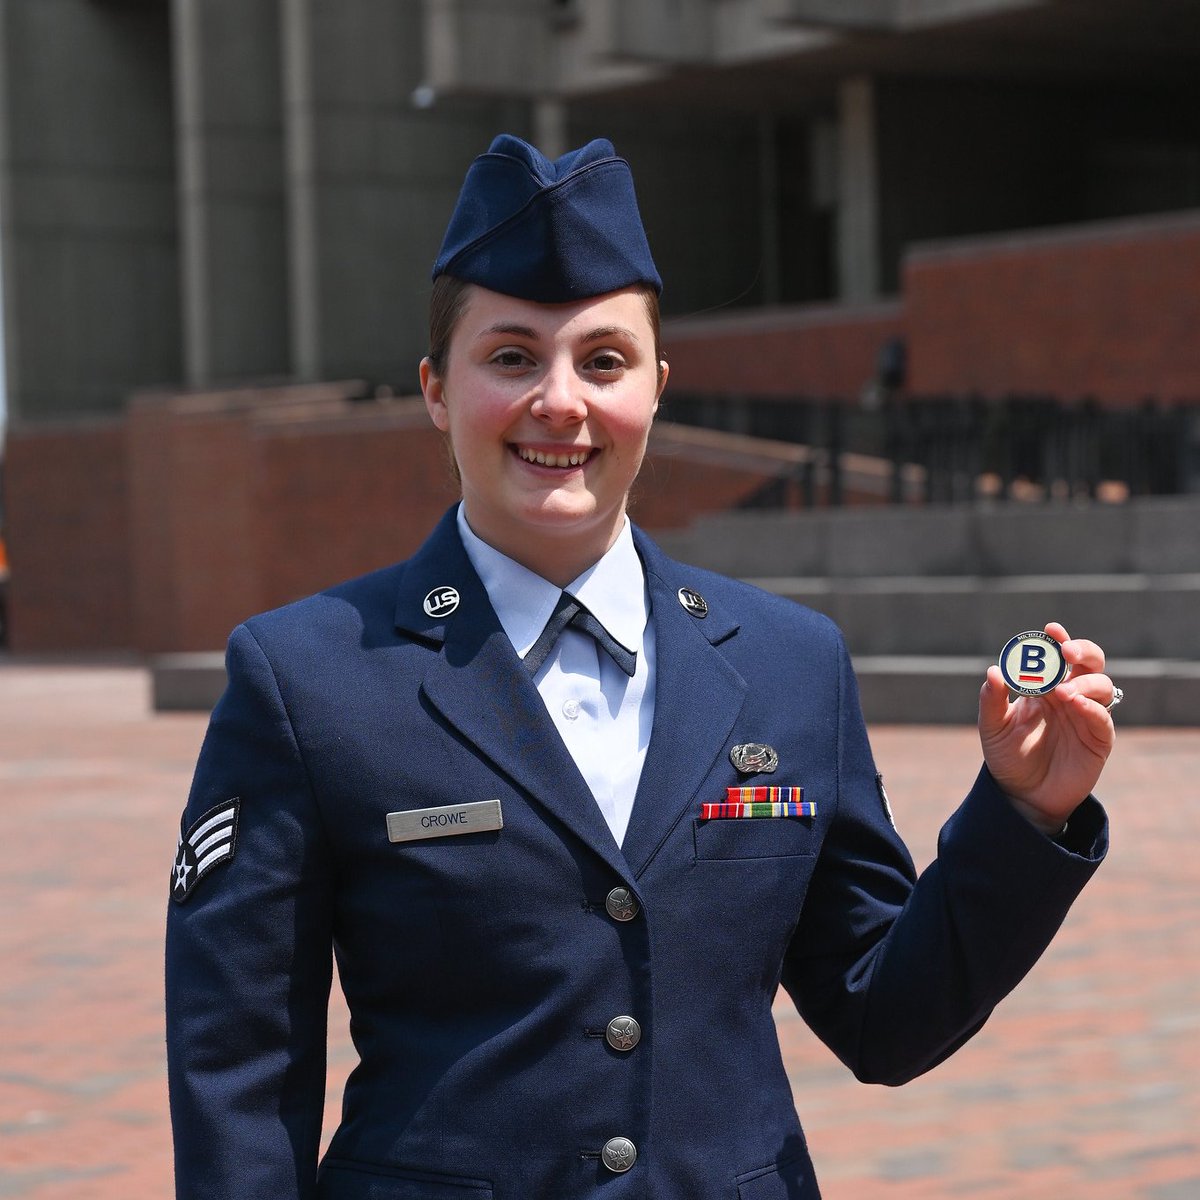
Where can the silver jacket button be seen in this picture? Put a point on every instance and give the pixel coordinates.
(623, 1033)
(621, 904)
(618, 1155)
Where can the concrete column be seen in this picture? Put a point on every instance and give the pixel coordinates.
(299, 112)
(550, 127)
(87, 187)
(768, 204)
(8, 276)
(193, 224)
(858, 250)
(229, 171)
(371, 173)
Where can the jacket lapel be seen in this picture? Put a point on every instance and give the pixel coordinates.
(697, 699)
(478, 685)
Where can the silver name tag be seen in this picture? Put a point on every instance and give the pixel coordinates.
(418, 823)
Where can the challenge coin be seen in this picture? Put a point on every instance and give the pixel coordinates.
(1032, 663)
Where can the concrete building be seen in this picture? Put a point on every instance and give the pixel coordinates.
(195, 191)
(200, 198)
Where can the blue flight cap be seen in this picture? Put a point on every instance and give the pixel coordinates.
(548, 231)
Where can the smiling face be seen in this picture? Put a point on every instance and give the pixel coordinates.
(548, 407)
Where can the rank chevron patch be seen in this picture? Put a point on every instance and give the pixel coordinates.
(209, 842)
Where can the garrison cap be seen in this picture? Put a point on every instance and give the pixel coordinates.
(548, 231)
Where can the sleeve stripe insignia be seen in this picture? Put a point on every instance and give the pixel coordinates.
(887, 804)
(210, 841)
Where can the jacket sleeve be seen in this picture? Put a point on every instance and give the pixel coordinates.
(894, 973)
(249, 955)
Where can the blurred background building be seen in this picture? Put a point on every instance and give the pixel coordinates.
(219, 216)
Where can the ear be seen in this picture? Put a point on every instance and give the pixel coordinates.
(435, 396)
(664, 369)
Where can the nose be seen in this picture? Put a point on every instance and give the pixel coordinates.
(559, 399)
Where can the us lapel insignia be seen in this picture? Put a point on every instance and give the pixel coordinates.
(693, 602)
(441, 602)
(754, 758)
(209, 841)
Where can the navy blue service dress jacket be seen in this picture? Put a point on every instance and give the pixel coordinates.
(482, 968)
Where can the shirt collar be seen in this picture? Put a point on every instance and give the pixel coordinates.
(614, 589)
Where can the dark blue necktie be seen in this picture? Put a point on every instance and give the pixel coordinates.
(569, 612)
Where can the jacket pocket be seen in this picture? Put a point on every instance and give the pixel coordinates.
(339, 1179)
(790, 1180)
(755, 837)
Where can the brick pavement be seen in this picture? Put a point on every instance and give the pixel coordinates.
(1085, 1082)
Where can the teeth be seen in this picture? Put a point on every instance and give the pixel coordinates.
(575, 459)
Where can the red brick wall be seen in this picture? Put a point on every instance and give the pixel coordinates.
(1111, 311)
(194, 564)
(341, 496)
(807, 351)
(67, 530)
(163, 532)
(676, 487)
(149, 470)
(243, 500)
(690, 471)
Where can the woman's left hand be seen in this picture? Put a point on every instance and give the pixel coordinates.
(1046, 752)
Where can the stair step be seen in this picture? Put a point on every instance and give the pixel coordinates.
(1159, 535)
(187, 682)
(1133, 616)
(944, 689)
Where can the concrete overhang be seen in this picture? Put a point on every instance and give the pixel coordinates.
(758, 53)
(834, 14)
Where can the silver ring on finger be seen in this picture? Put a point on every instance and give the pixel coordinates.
(1118, 696)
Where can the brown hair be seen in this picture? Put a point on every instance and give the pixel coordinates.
(448, 301)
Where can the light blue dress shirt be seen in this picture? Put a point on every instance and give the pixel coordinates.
(602, 715)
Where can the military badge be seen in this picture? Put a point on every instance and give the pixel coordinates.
(441, 602)
(693, 602)
(754, 758)
(208, 842)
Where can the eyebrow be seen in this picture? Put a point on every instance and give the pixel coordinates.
(521, 331)
(531, 334)
(608, 331)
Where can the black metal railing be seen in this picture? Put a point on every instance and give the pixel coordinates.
(951, 449)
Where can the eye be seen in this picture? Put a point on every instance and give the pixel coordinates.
(607, 363)
(510, 358)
